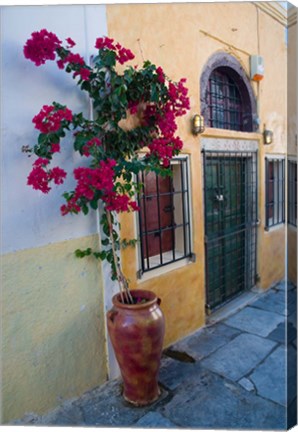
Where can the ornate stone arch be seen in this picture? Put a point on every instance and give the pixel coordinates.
(232, 67)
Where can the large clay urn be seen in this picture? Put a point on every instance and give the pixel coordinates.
(137, 332)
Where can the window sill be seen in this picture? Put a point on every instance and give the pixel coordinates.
(151, 274)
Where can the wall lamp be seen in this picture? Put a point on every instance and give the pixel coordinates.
(198, 124)
(268, 136)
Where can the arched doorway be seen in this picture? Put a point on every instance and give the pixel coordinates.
(230, 181)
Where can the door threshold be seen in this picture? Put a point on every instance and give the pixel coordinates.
(232, 307)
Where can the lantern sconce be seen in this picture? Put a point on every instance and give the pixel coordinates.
(198, 124)
(268, 136)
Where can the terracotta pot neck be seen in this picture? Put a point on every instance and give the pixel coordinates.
(149, 296)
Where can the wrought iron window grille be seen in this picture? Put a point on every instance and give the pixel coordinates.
(275, 192)
(225, 105)
(292, 193)
(164, 217)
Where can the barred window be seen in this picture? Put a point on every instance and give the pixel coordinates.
(164, 218)
(275, 192)
(292, 193)
(225, 103)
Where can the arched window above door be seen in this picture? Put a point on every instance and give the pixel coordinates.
(227, 99)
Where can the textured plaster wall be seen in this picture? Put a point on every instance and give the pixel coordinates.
(53, 341)
(30, 218)
(181, 38)
(52, 313)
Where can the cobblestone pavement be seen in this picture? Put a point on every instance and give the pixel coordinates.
(239, 373)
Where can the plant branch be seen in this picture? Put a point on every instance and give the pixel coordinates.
(123, 285)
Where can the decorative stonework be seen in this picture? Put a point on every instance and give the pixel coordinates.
(231, 145)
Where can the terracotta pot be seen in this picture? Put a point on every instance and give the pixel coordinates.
(137, 333)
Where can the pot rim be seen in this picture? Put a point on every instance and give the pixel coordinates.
(149, 295)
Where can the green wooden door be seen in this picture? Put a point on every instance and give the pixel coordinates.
(225, 227)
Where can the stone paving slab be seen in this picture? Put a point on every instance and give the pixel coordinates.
(239, 357)
(270, 377)
(209, 401)
(173, 373)
(256, 321)
(207, 340)
(113, 410)
(274, 301)
(283, 333)
(154, 419)
(275, 379)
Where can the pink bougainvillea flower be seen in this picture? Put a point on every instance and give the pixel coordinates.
(50, 119)
(40, 176)
(122, 54)
(70, 207)
(105, 42)
(75, 58)
(61, 63)
(41, 162)
(119, 203)
(41, 47)
(57, 175)
(84, 74)
(70, 42)
(39, 179)
(55, 148)
(160, 75)
(91, 143)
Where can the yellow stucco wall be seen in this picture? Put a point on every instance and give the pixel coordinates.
(181, 38)
(53, 342)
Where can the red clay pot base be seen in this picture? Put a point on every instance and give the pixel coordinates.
(137, 333)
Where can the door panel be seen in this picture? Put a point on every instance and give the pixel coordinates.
(227, 225)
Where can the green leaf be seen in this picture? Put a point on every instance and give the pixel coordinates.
(85, 209)
(100, 255)
(154, 93)
(94, 204)
(109, 58)
(42, 139)
(82, 253)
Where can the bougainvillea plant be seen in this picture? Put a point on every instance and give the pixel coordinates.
(144, 97)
